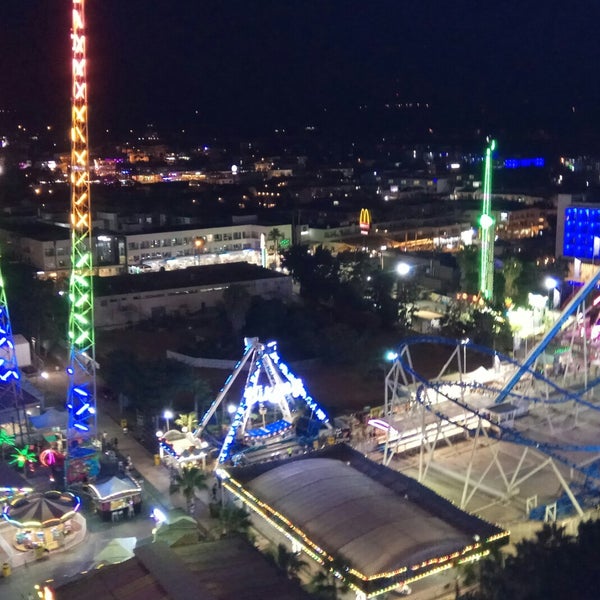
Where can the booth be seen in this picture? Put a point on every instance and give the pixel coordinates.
(116, 498)
(178, 449)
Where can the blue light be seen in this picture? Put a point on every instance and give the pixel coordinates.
(582, 229)
(83, 409)
(523, 163)
(81, 427)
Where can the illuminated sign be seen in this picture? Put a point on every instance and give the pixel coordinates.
(582, 232)
(364, 221)
(523, 163)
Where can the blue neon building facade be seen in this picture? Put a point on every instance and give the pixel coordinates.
(581, 238)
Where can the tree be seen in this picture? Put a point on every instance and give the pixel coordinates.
(274, 236)
(236, 302)
(407, 297)
(299, 263)
(188, 421)
(551, 566)
(234, 519)
(187, 481)
(511, 270)
(288, 562)
(468, 262)
(331, 579)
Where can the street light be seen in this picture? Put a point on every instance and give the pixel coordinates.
(403, 269)
(198, 244)
(551, 284)
(168, 415)
(464, 343)
(381, 251)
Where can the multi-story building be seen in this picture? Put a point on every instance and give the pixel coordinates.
(47, 247)
(126, 300)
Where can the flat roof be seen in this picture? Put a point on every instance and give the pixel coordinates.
(238, 272)
(378, 521)
(43, 232)
(215, 570)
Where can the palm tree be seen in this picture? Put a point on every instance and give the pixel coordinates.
(6, 440)
(288, 562)
(234, 520)
(21, 457)
(274, 236)
(189, 421)
(326, 584)
(187, 481)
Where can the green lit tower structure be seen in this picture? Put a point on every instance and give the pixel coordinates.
(487, 229)
(11, 395)
(82, 457)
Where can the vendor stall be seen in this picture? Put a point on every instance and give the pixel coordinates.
(179, 449)
(43, 520)
(116, 498)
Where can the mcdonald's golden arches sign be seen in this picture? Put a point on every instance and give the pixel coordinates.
(364, 221)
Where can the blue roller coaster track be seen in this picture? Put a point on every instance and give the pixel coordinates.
(502, 431)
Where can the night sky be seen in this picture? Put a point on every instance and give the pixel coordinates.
(267, 63)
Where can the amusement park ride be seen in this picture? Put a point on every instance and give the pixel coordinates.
(546, 408)
(275, 412)
(82, 457)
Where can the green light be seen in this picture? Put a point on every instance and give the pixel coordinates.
(84, 336)
(486, 221)
(82, 300)
(82, 261)
(487, 230)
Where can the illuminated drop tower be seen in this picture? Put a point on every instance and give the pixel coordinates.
(11, 395)
(82, 452)
(487, 228)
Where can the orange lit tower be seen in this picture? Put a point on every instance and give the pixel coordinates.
(82, 454)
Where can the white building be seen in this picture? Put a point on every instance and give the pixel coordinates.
(128, 299)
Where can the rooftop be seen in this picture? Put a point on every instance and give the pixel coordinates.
(381, 523)
(219, 570)
(239, 272)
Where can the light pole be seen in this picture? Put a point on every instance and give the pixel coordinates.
(198, 243)
(381, 251)
(402, 269)
(464, 345)
(551, 284)
(168, 415)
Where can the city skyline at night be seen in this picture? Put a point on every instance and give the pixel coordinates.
(248, 66)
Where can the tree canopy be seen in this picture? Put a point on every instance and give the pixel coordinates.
(551, 566)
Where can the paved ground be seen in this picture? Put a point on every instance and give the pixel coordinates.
(60, 566)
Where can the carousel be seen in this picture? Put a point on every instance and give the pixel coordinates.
(43, 520)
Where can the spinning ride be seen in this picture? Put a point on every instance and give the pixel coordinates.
(546, 407)
(275, 410)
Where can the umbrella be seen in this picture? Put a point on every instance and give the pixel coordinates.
(116, 551)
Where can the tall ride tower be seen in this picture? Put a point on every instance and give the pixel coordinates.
(488, 229)
(11, 395)
(82, 455)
